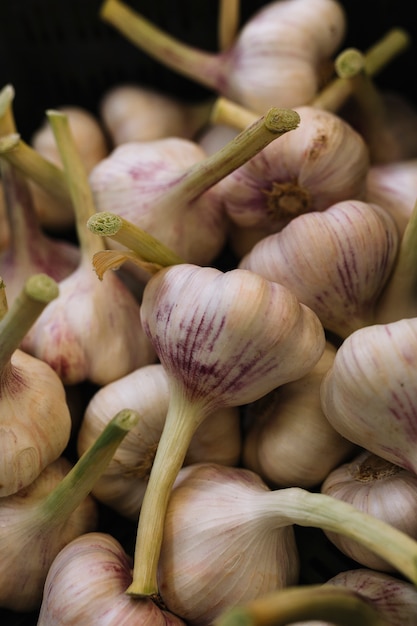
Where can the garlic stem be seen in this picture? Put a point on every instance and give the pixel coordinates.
(80, 480)
(194, 63)
(126, 233)
(183, 418)
(225, 111)
(313, 602)
(399, 298)
(251, 140)
(228, 26)
(78, 184)
(36, 168)
(38, 291)
(337, 92)
(294, 505)
(3, 299)
(7, 122)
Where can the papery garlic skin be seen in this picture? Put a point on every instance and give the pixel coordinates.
(35, 426)
(146, 390)
(369, 395)
(227, 338)
(289, 441)
(393, 186)
(322, 162)
(132, 183)
(255, 556)
(92, 331)
(86, 586)
(335, 261)
(135, 112)
(27, 547)
(380, 488)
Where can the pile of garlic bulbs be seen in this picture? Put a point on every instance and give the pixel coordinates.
(220, 298)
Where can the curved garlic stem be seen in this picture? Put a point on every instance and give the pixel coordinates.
(399, 298)
(107, 224)
(77, 180)
(180, 57)
(183, 418)
(80, 480)
(294, 505)
(313, 602)
(337, 92)
(225, 111)
(38, 291)
(228, 25)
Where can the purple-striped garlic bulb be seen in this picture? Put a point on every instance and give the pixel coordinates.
(86, 586)
(225, 339)
(369, 395)
(335, 261)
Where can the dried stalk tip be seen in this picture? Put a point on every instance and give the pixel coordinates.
(349, 63)
(41, 288)
(6, 98)
(126, 419)
(281, 120)
(104, 223)
(9, 142)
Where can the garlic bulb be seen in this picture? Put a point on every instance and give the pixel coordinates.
(324, 161)
(289, 441)
(369, 394)
(92, 146)
(40, 519)
(35, 425)
(380, 488)
(135, 112)
(93, 330)
(168, 187)
(218, 350)
(123, 483)
(275, 60)
(229, 540)
(86, 586)
(336, 261)
(393, 186)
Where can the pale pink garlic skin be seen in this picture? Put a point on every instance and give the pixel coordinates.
(276, 59)
(92, 331)
(135, 112)
(86, 586)
(335, 261)
(35, 426)
(395, 599)
(122, 484)
(288, 440)
(28, 547)
(322, 162)
(227, 338)
(376, 486)
(132, 182)
(220, 548)
(370, 393)
(393, 186)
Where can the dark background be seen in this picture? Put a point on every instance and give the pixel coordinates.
(59, 52)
